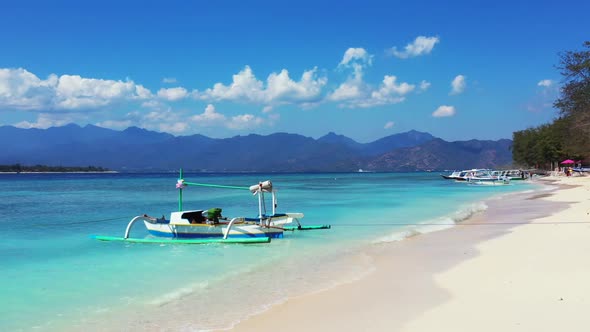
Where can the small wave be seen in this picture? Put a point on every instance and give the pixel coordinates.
(434, 225)
(178, 293)
(397, 236)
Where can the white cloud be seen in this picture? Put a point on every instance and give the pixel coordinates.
(444, 111)
(420, 46)
(389, 92)
(389, 125)
(545, 83)
(279, 88)
(45, 120)
(356, 55)
(209, 117)
(159, 116)
(173, 94)
(169, 80)
(142, 92)
(357, 59)
(348, 90)
(389, 87)
(23, 90)
(174, 128)
(355, 93)
(115, 124)
(75, 92)
(353, 88)
(244, 121)
(458, 85)
(154, 104)
(424, 85)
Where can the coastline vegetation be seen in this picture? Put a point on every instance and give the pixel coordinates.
(18, 168)
(568, 136)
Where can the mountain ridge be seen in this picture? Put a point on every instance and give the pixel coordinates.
(138, 149)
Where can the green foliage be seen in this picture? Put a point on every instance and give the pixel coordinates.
(574, 102)
(568, 136)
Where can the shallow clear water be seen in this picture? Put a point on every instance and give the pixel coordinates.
(55, 277)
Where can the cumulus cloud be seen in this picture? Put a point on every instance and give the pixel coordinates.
(358, 59)
(389, 125)
(356, 55)
(142, 92)
(244, 121)
(169, 80)
(45, 120)
(424, 85)
(350, 90)
(355, 93)
(458, 85)
(23, 90)
(173, 94)
(390, 92)
(545, 83)
(210, 117)
(420, 46)
(444, 111)
(279, 88)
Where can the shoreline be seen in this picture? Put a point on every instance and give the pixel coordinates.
(422, 282)
(80, 172)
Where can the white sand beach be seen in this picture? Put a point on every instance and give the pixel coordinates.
(519, 266)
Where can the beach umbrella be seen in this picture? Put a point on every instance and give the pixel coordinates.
(568, 161)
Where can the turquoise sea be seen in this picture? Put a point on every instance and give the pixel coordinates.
(54, 277)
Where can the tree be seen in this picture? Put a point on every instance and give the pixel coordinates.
(574, 101)
(569, 135)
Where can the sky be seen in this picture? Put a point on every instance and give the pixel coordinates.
(459, 70)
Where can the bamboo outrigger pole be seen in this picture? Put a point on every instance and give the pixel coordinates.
(181, 184)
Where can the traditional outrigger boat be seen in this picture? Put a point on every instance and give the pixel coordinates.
(207, 226)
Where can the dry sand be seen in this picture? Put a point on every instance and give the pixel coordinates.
(523, 265)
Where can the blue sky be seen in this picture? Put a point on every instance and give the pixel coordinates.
(458, 70)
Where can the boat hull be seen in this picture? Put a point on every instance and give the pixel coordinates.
(195, 231)
(488, 181)
(184, 241)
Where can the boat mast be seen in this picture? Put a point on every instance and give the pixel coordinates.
(180, 180)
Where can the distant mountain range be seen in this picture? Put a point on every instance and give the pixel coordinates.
(136, 149)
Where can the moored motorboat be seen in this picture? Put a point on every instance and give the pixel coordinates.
(456, 175)
(512, 174)
(485, 177)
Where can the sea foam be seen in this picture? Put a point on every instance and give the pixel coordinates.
(178, 293)
(433, 225)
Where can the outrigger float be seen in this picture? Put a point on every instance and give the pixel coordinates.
(209, 226)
